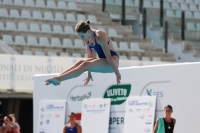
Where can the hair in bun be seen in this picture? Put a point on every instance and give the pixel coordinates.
(82, 26)
(87, 21)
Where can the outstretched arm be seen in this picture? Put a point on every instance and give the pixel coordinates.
(90, 54)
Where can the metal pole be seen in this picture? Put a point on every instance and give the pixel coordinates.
(183, 26)
(166, 37)
(144, 22)
(103, 5)
(161, 13)
(123, 12)
(140, 6)
(140, 10)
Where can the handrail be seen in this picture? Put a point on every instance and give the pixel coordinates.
(7, 49)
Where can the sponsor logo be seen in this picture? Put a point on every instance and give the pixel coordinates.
(42, 109)
(47, 121)
(53, 107)
(101, 106)
(41, 123)
(141, 116)
(150, 104)
(147, 123)
(147, 130)
(41, 116)
(90, 106)
(80, 97)
(138, 110)
(149, 115)
(85, 106)
(157, 93)
(130, 110)
(57, 115)
(93, 49)
(95, 110)
(116, 120)
(136, 103)
(145, 109)
(78, 118)
(112, 128)
(118, 93)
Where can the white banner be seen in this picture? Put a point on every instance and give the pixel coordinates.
(52, 115)
(176, 84)
(139, 114)
(16, 71)
(95, 115)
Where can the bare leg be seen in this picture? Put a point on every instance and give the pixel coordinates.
(76, 65)
(97, 65)
(71, 68)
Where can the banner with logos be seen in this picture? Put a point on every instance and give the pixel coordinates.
(176, 84)
(16, 71)
(95, 115)
(52, 115)
(140, 112)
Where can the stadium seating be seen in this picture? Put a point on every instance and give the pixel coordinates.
(172, 13)
(18, 2)
(123, 57)
(134, 58)
(43, 41)
(8, 39)
(27, 52)
(19, 40)
(64, 54)
(2, 25)
(46, 27)
(76, 55)
(39, 53)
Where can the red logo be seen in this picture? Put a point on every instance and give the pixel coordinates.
(78, 118)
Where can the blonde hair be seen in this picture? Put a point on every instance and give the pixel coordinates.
(82, 26)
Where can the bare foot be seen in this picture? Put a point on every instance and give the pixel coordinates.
(54, 80)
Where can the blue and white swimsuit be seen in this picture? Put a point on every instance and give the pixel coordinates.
(97, 48)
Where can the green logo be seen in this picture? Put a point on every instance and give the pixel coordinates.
(150, 104)
(41, 116)
(42, 109)
(118, 93)
(85, 106)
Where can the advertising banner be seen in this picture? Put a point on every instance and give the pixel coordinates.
(177, 85)
(16, 71)
(52, 115)
(95, 115)
(140, 111)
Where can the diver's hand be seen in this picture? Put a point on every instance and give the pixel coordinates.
(118, 76)
(89, 77)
